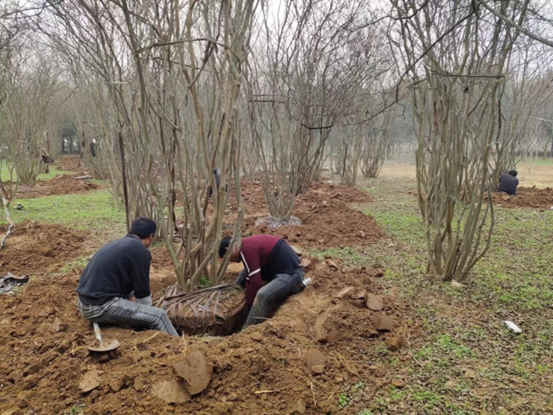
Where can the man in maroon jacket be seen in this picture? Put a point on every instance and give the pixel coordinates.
(266, 259)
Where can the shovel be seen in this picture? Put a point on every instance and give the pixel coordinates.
(112, 345)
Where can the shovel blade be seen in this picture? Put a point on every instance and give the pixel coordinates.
(108, 347)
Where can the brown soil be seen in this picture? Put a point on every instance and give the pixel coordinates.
(71, 163)
(261, 370)
(39, 249)
(329, 220)
(59, 185)
(529, 197)
(267, 369)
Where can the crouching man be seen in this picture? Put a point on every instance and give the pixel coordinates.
(114, 288)
(266, 259)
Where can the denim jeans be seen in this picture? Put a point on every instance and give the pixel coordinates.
(272, 294)
(123, 312)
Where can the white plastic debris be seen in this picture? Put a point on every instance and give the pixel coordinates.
(306, 281)
(513, 327)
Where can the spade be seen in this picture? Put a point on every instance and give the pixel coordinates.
(112, 345)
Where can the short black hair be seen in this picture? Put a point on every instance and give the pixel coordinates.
(513, 173)
(143, 227)
(223, 247)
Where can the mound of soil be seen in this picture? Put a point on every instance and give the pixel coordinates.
(71, 163)
(39, 249)
(59, 185)
(328, 219)
(529, 197)
(319, 343)
(46, 368)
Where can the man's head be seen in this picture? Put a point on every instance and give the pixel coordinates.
(224, 246)
(513, 173)
(145, 229)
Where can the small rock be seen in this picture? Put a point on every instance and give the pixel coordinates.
(398, 383)
(334, 336)
(315, 361)
(325, 203)
(232, 397)
(170, 391)
(345, 292)
(57, 326)
(305, 263)
(257, 336)
(321, 332)
(297, 250)
(195, 370)
(331, 264)
(456, 284)
(374, 302)
(384, 323)
(138, 383)
(116, 384)
(361, 295)
(362, 234)
(90, 381)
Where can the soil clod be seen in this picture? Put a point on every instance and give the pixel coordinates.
(315, 361)
(384, 323)
(195, 370)
(172, 392)
(374, 302)
(90, 381)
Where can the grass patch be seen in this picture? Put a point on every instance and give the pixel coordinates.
(95, 211)
(53, 172)
(347, 255)
(462, 328)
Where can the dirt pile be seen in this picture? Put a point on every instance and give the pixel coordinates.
(71, 163)
(529, 197)
(59, 185)
(34, 248)
(282, 366)
(329, 220)
(318, 345)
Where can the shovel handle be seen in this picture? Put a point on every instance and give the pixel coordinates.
(98, 334)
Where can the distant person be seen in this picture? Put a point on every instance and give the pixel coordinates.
(217, 177)
(266, 259)
(508, 183)
(114, 288)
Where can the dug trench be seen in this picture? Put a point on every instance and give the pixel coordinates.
(317, 346)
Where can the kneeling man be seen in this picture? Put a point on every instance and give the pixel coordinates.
(115, 286)
(266, 259)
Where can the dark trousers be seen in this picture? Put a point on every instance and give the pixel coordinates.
(272, 294)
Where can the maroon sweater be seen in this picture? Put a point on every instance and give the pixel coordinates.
(265, 256)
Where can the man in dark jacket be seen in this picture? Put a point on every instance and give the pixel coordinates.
(114, 288)
(508, 183)
(266, 259)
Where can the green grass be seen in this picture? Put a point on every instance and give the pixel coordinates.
(347, 255)
(53, 172)
(462, 329)
(95, 211)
